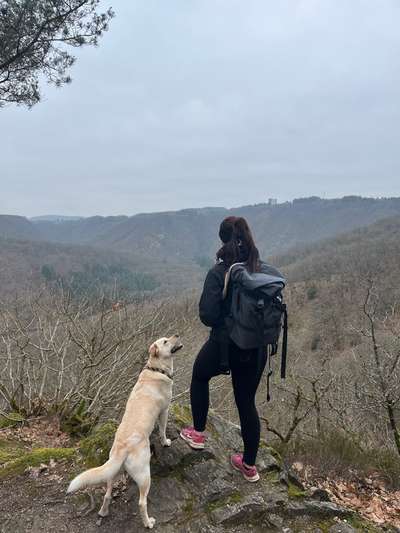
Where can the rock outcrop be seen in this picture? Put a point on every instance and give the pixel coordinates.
(192, 491)
(198, 491)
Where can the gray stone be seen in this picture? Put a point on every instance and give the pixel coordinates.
(315, 508)
(319, 494)
(266, 462)
(198, 492)
(342, 527)
(287, 476)
(243, 511)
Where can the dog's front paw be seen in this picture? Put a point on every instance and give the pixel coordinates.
(166, 442)
(151, 522)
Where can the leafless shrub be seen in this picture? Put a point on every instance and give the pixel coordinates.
(59, 355)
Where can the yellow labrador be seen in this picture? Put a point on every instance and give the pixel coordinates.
(148, 403)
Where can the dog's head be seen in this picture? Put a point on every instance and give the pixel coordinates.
(165, 347)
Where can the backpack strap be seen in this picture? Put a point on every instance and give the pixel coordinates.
(269, 371)
(228, 277)
(284, 342)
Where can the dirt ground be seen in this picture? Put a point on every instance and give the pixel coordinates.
(29, 504)
(35, 500)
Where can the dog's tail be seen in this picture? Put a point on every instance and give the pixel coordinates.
(98, 475)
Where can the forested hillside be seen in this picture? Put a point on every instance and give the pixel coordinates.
(372, 249)
(337, 415)
(191, 234)
(29, 265)
(16, 227)
(174, 249)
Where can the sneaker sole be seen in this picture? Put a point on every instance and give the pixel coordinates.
(194, 445)
(249, 479)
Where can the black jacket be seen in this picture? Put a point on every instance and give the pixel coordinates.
(212, 307)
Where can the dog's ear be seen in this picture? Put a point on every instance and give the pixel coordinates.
(153, 350)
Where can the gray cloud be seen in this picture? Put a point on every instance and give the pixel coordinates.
(214, 102)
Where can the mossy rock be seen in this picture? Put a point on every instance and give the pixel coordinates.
(294, 491)
(189, 506)
(181, 414)
(275, 454)
(95, 448)
(11, 420)
(360, 524)
(35, 458)
(235, 497)
(79, 422)
(323, 525)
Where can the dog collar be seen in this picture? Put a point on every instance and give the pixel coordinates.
(165, 372)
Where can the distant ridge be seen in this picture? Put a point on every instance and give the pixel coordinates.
(17, 227)
(191, 235)
(309, 239)
(54, 218)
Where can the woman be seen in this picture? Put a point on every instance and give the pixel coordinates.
(244, 365)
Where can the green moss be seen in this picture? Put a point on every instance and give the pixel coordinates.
(272, 451)
(272, 477)
(96, 447)
(35, 458)
(79, 422)
(181, 414)
(295, 492)
(362, 525)
(235, 497)
(213, 432)
(11, 420)
(189, 506)
(10, 450)
(324, 525)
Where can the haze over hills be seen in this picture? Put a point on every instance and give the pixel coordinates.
(192, 233)
(308, 236)
(373, 249)
(54, 218)
(18, 227)
(28, 263)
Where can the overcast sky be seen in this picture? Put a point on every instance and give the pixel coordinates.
(214, 102)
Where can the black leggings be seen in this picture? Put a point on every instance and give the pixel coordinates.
(246, 371)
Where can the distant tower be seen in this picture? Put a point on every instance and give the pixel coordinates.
(272, 201)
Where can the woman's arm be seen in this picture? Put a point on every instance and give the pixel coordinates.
(210, 305)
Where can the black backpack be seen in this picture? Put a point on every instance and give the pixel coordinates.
(258, 313)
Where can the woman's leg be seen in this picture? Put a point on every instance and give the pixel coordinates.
(247, 370)
(206, 365)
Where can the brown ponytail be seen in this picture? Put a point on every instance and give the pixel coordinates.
(238, 244)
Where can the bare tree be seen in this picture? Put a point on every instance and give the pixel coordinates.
(303, 398)
(379, 356)
(79, 359)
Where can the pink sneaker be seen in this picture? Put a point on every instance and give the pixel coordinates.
(248, 472)
(195, 439)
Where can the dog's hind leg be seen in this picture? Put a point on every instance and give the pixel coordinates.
(162, 424)
(144, 487)
(105, 508)
(139, 468)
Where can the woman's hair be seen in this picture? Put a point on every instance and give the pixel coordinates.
(238, 243)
